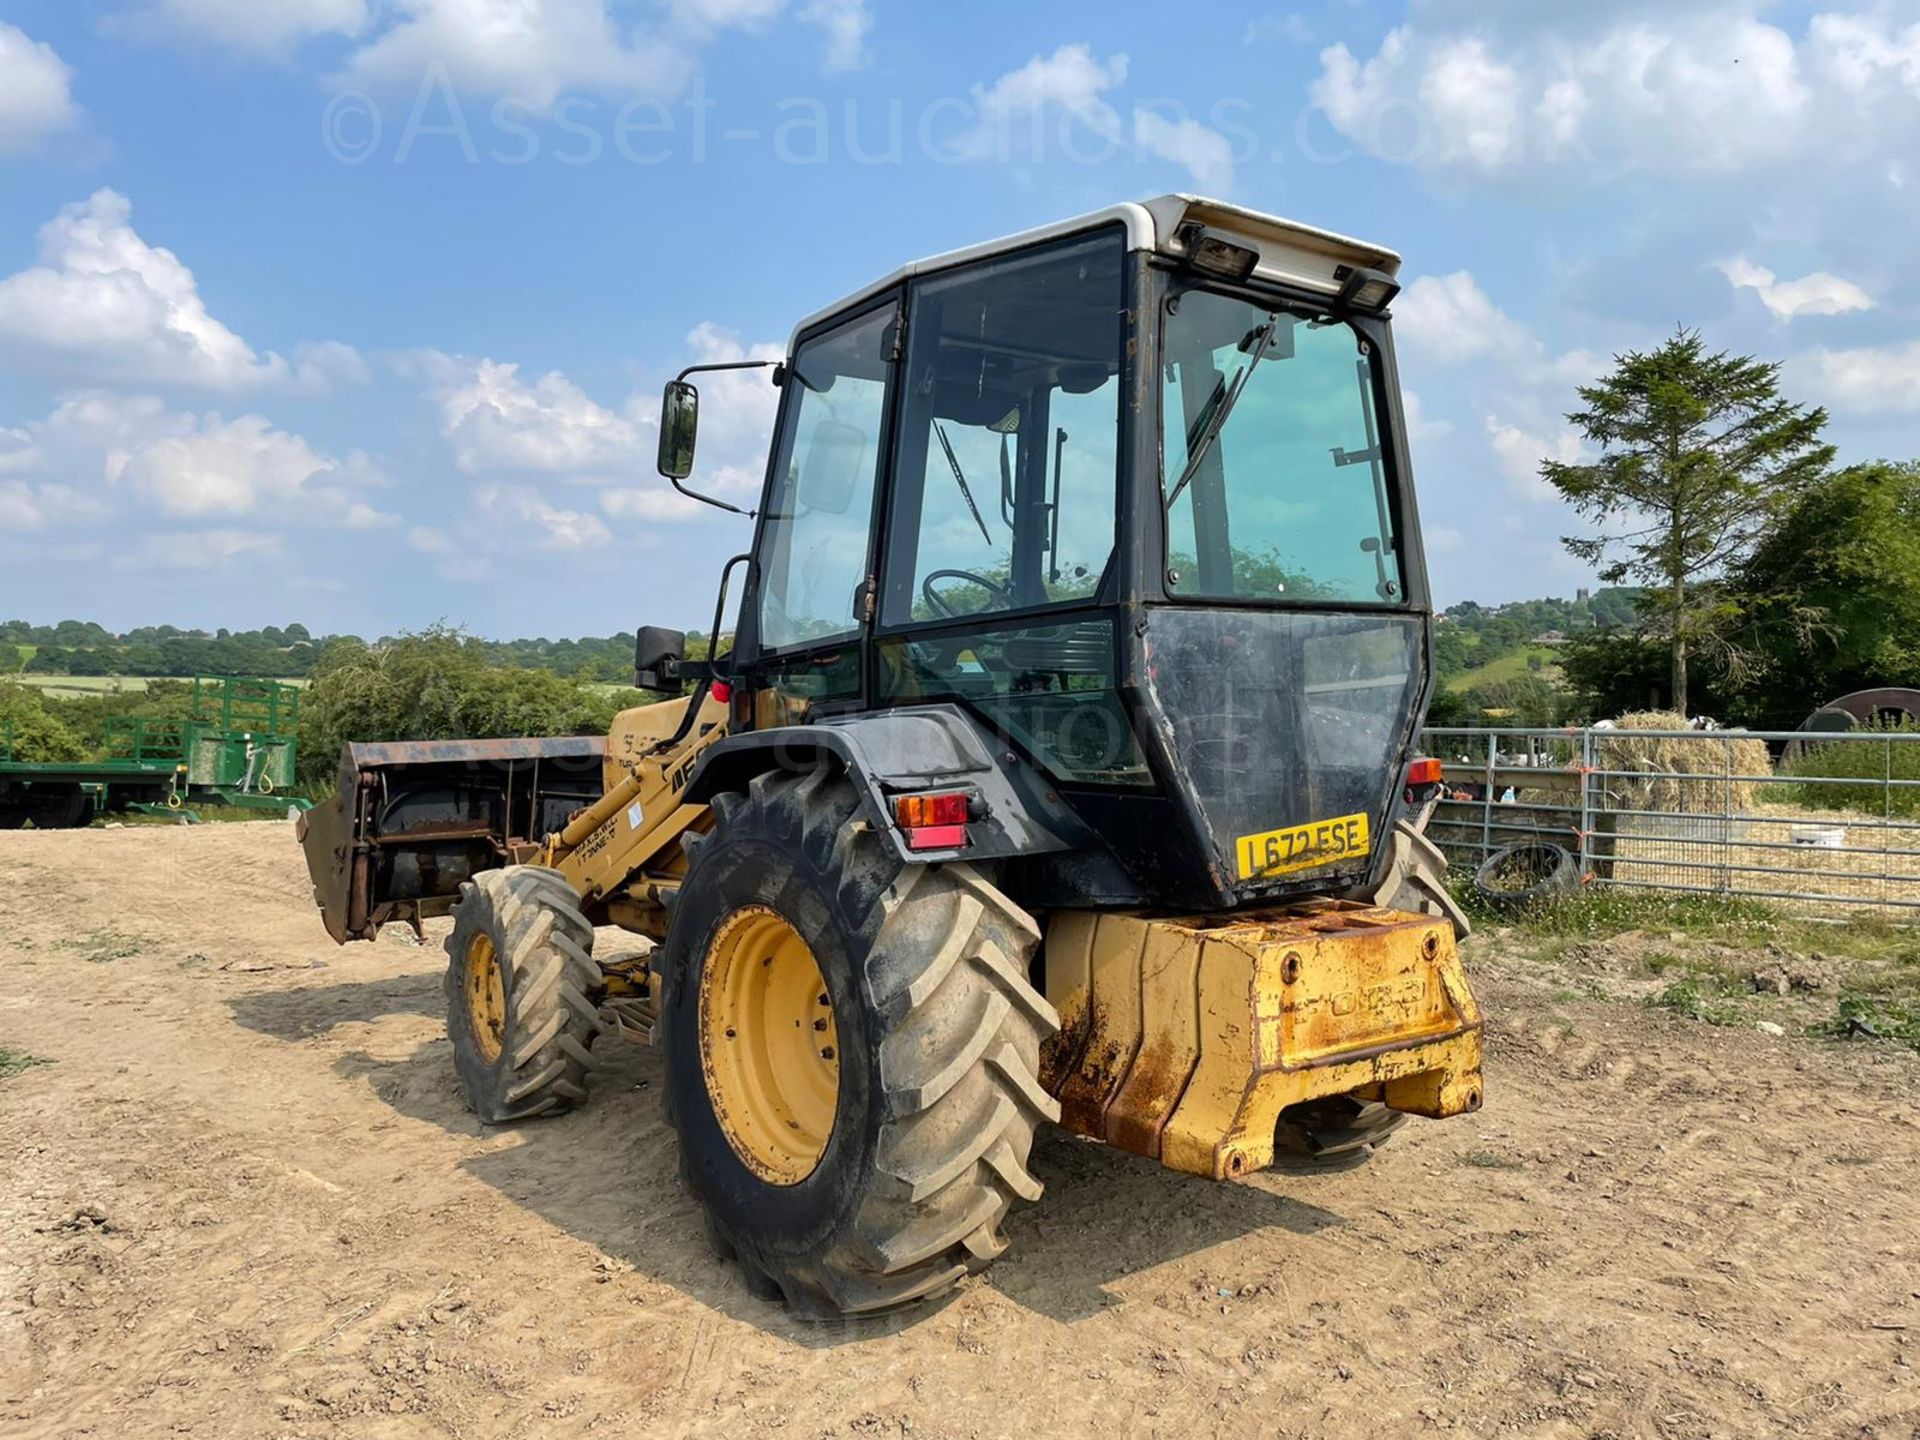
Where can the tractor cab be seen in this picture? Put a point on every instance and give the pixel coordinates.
(1130, 495)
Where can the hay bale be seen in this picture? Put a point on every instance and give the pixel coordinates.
(1683, 775)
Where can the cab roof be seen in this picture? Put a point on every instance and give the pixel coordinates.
(1302, 256)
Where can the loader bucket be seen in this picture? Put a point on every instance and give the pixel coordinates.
(410, 822)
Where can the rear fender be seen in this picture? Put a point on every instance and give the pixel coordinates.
(890, 753)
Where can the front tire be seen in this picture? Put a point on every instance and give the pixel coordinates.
(522, 994)
(935, 1030)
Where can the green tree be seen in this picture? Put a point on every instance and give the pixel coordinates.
(1699, 457)
(39, 737)
(1832, 595)
(437, 686)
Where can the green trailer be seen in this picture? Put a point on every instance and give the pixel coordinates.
(237, 747)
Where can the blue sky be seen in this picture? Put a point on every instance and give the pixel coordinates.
(355, 312)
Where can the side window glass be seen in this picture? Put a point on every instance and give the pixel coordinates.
(1006, 476)
(815, 543)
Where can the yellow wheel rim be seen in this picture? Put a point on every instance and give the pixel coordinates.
(486, 993)
(768, 1045)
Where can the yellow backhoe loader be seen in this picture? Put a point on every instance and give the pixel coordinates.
(1063, 769)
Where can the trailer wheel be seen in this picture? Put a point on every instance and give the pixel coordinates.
(12, 817)
(64, 808)
(522, 994)
(852, 1052)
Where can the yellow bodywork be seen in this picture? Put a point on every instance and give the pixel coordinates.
(1184, 1039)
(624, 850)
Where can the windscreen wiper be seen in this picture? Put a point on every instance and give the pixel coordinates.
(960, 477)
(1212, 425)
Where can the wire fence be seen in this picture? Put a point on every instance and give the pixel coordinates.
(1816, 822)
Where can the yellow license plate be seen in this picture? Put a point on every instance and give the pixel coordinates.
(1302, 847)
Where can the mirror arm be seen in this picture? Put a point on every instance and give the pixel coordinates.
(779, 377)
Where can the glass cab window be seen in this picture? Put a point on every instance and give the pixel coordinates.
(814, 545)
(1005, 483)
(1275, 485)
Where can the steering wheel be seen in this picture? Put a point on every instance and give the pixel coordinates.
(1002, 594)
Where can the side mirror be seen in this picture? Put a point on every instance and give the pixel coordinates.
(831, 471)
(657, 657)
(679, 429)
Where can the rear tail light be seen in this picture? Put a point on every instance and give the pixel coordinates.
(1424, 771)
(933, 822)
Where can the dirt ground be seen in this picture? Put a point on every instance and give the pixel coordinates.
(243, 1198)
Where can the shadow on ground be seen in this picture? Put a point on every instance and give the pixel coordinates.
(608, 1175)
(304, 1014)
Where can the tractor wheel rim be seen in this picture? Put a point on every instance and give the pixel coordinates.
(486, 993)
(769, 1046)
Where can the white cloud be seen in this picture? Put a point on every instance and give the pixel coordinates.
(653, 502)
(102, 296)
(1697, 89)
(104, 305)
(1864, 57)
(495, 421)
(846, 24)
(320, 368)
(498, 424)
(1883, 379)
(1815, 294)
(1421, 426)
(234, 468)
(36, 96)
(1069, 88)
(429, 541)
(1072, 80)
(254, 27)
(33, 507)
(523, 512)
(1451, 318)
(1292, 28)
(18, 453)
(208, 549)
(98, 447)
(1206, 154)
(1520, 453)
(528, 50)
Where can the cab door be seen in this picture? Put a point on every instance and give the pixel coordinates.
(811, 604)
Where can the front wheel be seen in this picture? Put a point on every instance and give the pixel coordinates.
(522, 994)
(852, 1052)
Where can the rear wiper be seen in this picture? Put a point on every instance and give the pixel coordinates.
(960, 476)
(1213, 424)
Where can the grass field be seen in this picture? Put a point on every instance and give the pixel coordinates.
(1510, 666)
(68, 687)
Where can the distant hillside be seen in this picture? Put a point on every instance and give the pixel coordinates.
(1477, 645)
(1474, 645)
(83, 648)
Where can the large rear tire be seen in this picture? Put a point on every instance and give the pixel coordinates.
(522, 994)
(934, 1030)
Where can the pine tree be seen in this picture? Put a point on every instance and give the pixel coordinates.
(1699, 455)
